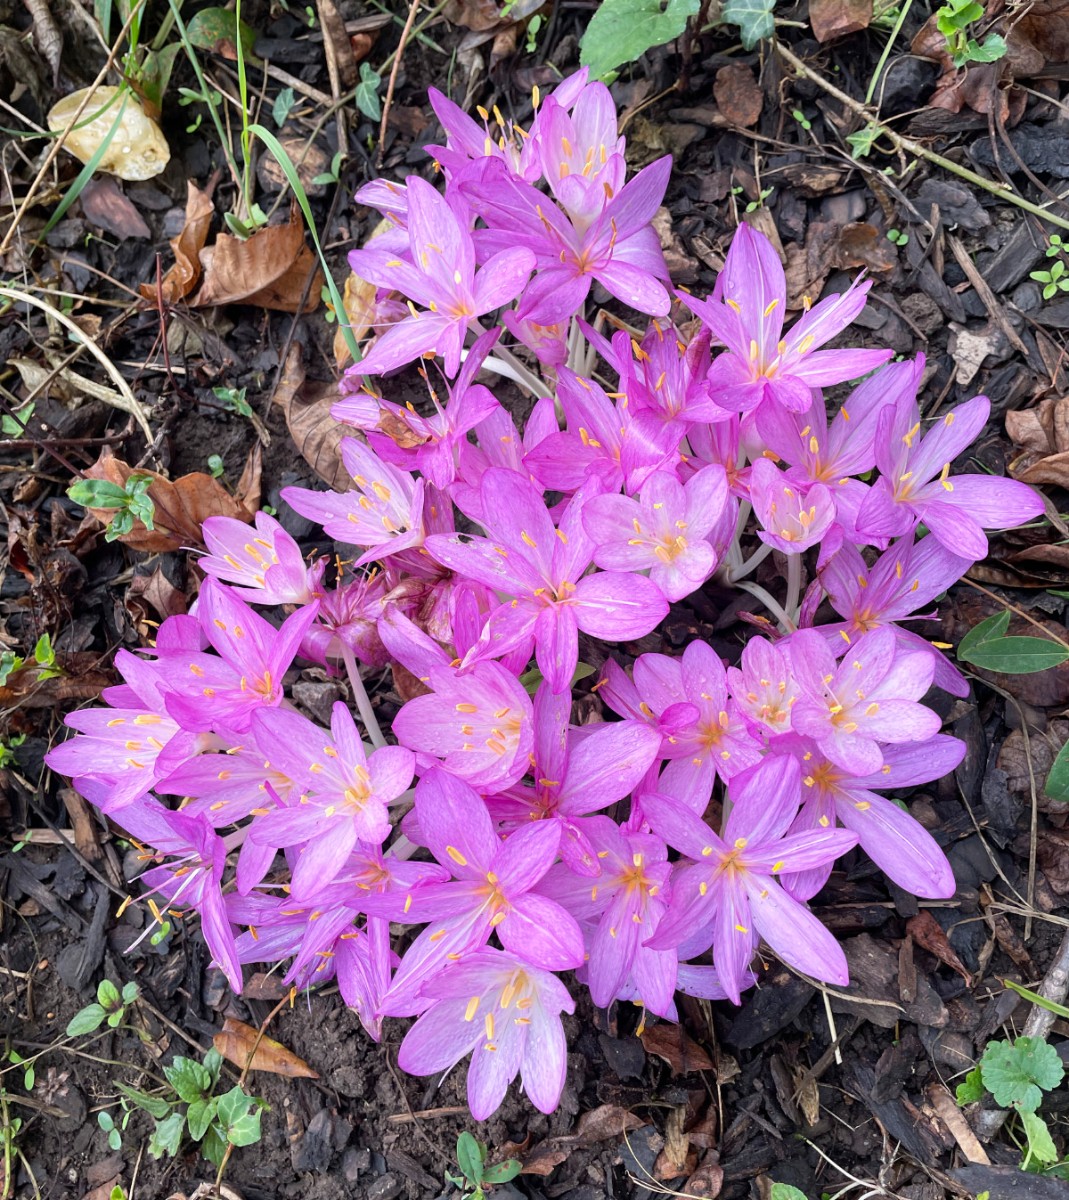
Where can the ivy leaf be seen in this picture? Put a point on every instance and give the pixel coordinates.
(367, 92)
(621, 31)
(245, 1131)
(1017, 1074)
(167, 1136)
(753, 17)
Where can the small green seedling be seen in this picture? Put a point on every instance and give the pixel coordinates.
(110, 1006)
(802, 119)
(107, 1123)
(953, 21)
(897, 237)
(233, 400)
(366, 95)
(787, 1191)
(215, 466)
(14, 426)
(1055, 246)
(1017, 1074)
(334, 174)
(861, 143)
(1054, 281)
(475, 1176)
(285, 102)
(131, 502)
(191, 1106)
(29, 1074)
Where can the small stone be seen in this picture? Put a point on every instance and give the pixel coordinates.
(389, 1187)
(355, 1162)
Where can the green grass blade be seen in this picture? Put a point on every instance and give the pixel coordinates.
(1059, 1010)
(290, 171)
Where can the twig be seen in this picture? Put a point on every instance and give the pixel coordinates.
(909, 146)
(413, 8)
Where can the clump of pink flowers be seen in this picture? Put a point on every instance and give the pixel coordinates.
(673, 839)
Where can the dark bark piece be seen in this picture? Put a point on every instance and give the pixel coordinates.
(1007, 1183)
(874, 978)
(771, 1008)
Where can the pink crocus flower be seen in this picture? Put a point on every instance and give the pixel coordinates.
(733, 890)
(746, 313)
(622, 909)
(905, 578)
(581, 153)
(476, 722)
(896, 842)
(441, 278)
(849, 708)
(262, 567)
(763, 686)
(915, 483)
(221, 692)
(506, 1015)
(663, 531)
(794, 518)
(348, 616)
(543, 569)
(576, 772)
(344, 792)
(619, 248)
(425, 444)
(383, 513)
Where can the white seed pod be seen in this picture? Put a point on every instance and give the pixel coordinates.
(138, 149)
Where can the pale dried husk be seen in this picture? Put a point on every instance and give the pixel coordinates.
(138, 150)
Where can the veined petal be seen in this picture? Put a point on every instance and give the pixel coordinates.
(794, 934)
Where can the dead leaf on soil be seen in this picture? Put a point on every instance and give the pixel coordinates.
(1045, 24)
(606, 1121)
(1052, 854)
(680, 1052)
(237, 1042)
(927, 932)
(268, 269)
(184, 274)
(314, 431)
(836, 18)
(707, 1181)
(738, 95)
(182, 505)
(105, 206)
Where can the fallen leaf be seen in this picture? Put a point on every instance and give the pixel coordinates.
(236, 1042)
(183, 276)
(680, 1052)
(158, 591)
(836, 18)
(181, 505)
(105, 206)
(606, 1121)
(706, 1181)
(862, 245)
(1052, 854)
(927, 932)
(268, 269)
(738, 95)
(1045, 24)
(314, 431)
(136, 150)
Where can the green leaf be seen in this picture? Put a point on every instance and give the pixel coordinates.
(991, 628)
(130, 992)
(1058, 1009)
(471, 1156)
(753, 17)
(1040, 1143)
(86, 1020)
(199, 1116)
(245, 1131)
(155, 1106)
(97, 493)
(1016, 655)
(188, 1078)
(231, 1106)
(108, 995)
(213, 1062)
(214, 1146)
(1015, 1074)
(992, 50)
(367, 92)
(216, 29)
(502, 1172)
(621, 31)
(971, 1088)
(167, 1136)
(285, 102)
(104, 1120)
(787, 1191)
(155, 73)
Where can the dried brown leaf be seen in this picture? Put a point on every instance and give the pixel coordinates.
(238, 1043)
(706, 1182)
(182, 505)
(314, 431)
(184, 274)
(836, 18)
(104, 205)
(927, 932)
(738, 95)
(1045, 24)
(268, 269)
(680, 1052)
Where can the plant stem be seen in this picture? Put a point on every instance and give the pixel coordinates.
(749, 565)
(903, 12)
(773, 605)
(794, 585)
(360, 696)
(909, 146)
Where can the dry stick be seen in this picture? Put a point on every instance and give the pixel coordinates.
(57, 145)
(1055, 987)
(909, 146)
(413, 8)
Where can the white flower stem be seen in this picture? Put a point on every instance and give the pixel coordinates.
(360, 696)
(747, 567)
(773, 605)
(794, 586)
